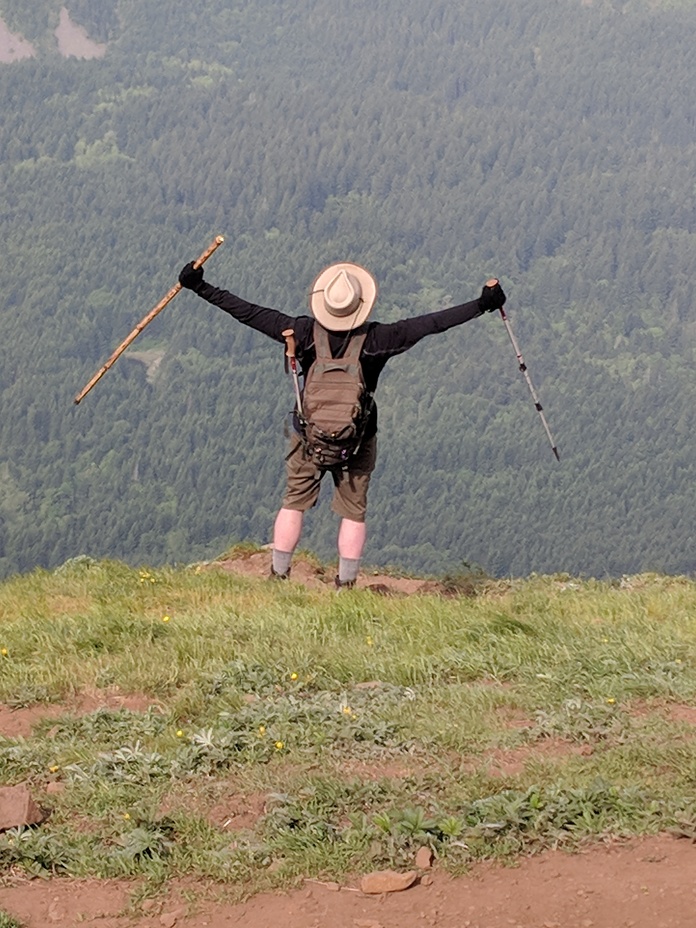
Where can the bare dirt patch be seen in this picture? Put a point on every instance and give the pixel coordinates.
(13, 47)
(258, 564)
(509, 763)
(225, 804)
(678, 712)
(73, 41)
(664, 711)
(646, 883)
(20, 722)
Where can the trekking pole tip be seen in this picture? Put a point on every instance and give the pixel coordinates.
(555, 451)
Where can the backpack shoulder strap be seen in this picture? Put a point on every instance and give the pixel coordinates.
(321, 342)
(323, 349)
(355, 347)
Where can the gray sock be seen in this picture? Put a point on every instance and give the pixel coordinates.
(348, 569)
(281, 561)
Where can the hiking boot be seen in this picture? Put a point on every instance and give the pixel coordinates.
(276, 576)
(343, 584)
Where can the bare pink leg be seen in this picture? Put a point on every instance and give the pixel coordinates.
(351, 539)
(287, 529)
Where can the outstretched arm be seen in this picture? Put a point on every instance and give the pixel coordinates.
(270, 322)
(397, 337)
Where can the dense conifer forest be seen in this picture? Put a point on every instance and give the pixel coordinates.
(547, 142)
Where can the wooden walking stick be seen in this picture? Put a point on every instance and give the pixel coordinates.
(146, 321)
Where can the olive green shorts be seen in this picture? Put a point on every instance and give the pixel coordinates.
(350, 485)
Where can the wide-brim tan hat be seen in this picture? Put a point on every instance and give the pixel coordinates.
(342, 296)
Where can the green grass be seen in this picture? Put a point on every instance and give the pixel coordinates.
(7, 921)
(298, 733)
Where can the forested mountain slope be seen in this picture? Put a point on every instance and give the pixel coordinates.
(549, 143)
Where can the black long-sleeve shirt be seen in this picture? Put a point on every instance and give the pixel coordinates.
(383, 340)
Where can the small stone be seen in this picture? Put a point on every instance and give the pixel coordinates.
(387, 881)
(332, 887)
(17, 808)
(55, 788)
(424, 858)
(426, 879)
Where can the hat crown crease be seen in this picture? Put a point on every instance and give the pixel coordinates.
(342, 294)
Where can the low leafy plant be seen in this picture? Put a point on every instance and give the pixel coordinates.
(582, 721)
(40, 854)
(129, 764)
(8, 921)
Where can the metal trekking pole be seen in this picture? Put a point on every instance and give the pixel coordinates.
(146, 321)
(290, 345)
(525, 372)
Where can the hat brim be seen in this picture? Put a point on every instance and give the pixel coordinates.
(368, 292)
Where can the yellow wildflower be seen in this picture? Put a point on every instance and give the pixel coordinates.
(262, 730)
(3, 651)
(279, 745)
(293, 676)
(611, 700)
(165, 618)
(179, 733)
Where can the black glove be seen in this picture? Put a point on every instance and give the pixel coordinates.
(492, 297)
(191, 277)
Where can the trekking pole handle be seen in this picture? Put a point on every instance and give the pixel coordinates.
(290, 344)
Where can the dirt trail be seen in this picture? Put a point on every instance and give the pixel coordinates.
(647, 883)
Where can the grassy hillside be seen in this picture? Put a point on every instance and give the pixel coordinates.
(201, 723)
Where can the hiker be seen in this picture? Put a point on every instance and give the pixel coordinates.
(341, 300)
